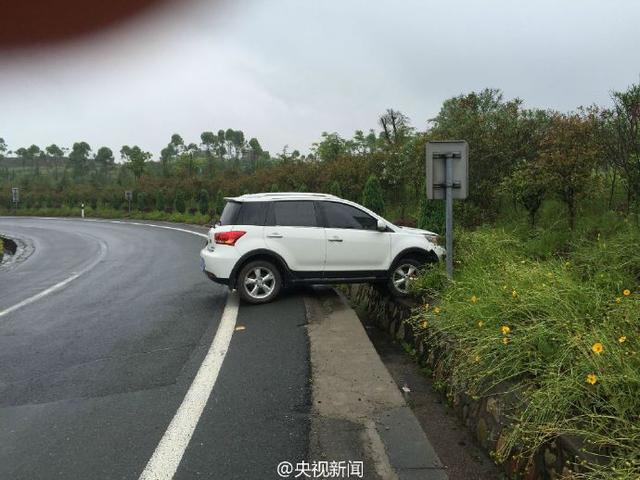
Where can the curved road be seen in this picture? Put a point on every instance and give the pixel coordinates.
(92, 374)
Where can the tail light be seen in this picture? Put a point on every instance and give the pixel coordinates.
(228, 238)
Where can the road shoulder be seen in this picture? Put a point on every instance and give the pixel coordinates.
(358, 412)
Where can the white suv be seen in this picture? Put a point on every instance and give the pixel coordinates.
(266, 240)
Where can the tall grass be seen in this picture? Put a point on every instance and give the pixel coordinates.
(561, 324)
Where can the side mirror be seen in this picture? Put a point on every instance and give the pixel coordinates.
(381, 226)
(217, 224)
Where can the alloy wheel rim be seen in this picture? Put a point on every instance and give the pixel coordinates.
(259, 283)
(402, 276)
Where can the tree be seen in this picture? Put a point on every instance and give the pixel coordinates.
(167, 154)
(619, 132)
(79, 159)
(500, 134)
(135, 159)
(141, 201)
(104, 160)
(55, 154)
(528, 186)
(219, 202)
(330, 148)
(203, 202)
(209, 141)
(3, 147)
(372, 195)
(334, 189)
(567, 158)
(179, 202)
(256, 152)
(177, 143)
(395, 127)
(160, 201)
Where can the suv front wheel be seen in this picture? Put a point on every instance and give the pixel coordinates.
(259, 282)
(402, 274)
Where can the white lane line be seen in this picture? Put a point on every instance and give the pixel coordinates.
(155, 226)
(165, 459)
(57, 286)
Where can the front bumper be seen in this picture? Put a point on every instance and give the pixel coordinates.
(440, 252)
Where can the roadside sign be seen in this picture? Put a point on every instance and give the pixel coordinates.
(436, 169)
(128, 194)
(447, 170)
(15, 195)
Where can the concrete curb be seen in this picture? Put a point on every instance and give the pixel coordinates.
(358, 411)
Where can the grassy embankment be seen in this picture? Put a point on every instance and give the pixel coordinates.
(557, 314)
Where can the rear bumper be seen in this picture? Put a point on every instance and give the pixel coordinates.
(213, 278)
(218, 264)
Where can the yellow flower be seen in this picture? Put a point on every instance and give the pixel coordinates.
(424, 324)
(426, 306)
(436, 310)
(480, 323)
(505, 329)
(474, 299)
(476, 358)
(592, 379)
(505, 340)
(514, 294)
(622, 339)
(626, 292)
(618, 300)
(597, 348)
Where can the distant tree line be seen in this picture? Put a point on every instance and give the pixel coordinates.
(517, 155)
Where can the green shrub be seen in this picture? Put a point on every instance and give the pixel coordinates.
(372, 195)
(180, 203)
(203, 202)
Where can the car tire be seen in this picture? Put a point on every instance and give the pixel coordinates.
(400, 275)
(259, 282)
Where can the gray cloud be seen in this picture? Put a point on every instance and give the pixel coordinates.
(286, 70)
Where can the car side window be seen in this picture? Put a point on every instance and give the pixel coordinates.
(294, 214)
(252, 213)
(340, 215)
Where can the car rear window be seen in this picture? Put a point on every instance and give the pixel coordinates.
(230, 213)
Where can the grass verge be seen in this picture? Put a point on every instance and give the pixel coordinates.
(564, 327)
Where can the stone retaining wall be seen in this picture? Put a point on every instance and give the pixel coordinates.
(488, 416)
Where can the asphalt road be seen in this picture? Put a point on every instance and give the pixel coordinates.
(92, 374)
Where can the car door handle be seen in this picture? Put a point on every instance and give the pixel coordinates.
(274, 235)
(335, 239)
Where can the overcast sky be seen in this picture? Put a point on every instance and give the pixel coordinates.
(284, 71)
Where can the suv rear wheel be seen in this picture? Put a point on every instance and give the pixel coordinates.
(259, 282)
(402, 273)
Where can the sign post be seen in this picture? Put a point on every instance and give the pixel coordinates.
(15, 197)
(129, 196)
(447, 178)
(82, 210)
